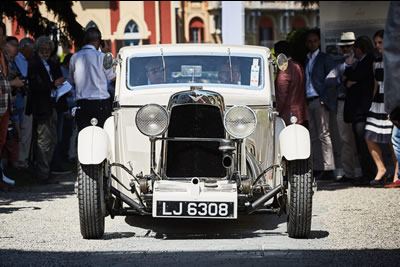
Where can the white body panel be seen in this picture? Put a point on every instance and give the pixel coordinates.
(121, 142)
(225, 191)
(109, 127)
(93, 145)
(294, 142)
(133, 148)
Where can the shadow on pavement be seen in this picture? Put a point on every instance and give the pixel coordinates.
(364, 257)
(255, 225)
(38, 193)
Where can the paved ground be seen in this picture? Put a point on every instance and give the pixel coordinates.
(351, 226)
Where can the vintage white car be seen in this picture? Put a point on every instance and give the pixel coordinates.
(194, 134)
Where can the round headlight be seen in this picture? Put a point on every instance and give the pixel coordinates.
(240, 121)
(152, 120)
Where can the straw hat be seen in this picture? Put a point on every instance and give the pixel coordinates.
(347, 38)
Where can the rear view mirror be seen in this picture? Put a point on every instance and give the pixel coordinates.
(191, 70)
(282, 62)
(108, 61)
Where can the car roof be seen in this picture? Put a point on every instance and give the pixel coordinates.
(195, 48)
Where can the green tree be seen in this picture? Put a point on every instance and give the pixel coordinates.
(31, 20)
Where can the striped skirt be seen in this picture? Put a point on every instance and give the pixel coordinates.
(378, 128)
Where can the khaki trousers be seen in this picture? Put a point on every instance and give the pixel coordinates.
(346, 134)
(321, 144)
(25, 138)
(46, 143)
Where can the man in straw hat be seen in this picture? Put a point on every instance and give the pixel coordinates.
(335, 82)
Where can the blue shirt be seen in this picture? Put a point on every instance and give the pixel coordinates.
(22, 64)
(310, 91)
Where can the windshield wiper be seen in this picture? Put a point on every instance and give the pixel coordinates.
(230, 64)
(163, 63)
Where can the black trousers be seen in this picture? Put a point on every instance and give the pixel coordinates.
(89, 109)
(367, 164)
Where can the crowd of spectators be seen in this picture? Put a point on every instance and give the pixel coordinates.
(44, 102)
(352, 88)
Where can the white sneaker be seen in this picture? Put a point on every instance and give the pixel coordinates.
(8, 180)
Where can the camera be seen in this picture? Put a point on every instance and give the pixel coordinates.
(24, 89)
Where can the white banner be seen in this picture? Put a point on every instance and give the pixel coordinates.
(232, 22)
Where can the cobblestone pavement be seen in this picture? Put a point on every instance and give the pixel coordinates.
(351, 226)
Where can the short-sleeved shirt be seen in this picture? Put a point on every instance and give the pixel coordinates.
(88, 74)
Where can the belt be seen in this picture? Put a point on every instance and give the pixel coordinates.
(107, 100)
(312, 98)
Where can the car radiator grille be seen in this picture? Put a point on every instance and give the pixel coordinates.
(195, 159)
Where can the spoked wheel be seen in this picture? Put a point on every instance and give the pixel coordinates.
(92, 208)
(299, 200)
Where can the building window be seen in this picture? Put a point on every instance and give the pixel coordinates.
(196, 30)
(265, 31)
(217, 20)
(131, 34)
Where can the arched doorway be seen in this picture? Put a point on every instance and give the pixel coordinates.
(266, 34)
(131, 34)
(196, 30)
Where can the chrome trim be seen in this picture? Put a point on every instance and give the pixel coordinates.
(162, 108)
(197, 97)
(240, 106)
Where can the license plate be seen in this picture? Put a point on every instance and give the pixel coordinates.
(195, 209)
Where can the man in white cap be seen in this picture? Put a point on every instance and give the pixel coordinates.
(336, 81)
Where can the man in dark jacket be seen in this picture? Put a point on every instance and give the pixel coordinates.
(360, 84)
(320, 101)
(44, 76)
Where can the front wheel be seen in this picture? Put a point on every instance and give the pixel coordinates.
(299, 204)
(91, 200)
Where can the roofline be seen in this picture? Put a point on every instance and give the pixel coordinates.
(195, 46)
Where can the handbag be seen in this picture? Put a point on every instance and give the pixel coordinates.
(395, 117)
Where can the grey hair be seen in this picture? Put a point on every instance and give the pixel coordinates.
(42, 40)
(26, 42)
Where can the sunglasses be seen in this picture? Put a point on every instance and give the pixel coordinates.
(346, 46)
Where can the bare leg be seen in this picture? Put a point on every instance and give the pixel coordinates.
(396, 164)
(376, 154)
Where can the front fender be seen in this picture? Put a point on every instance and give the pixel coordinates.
(93, 145)
(294, 142)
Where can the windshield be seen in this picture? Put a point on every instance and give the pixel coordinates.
(241, 71)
